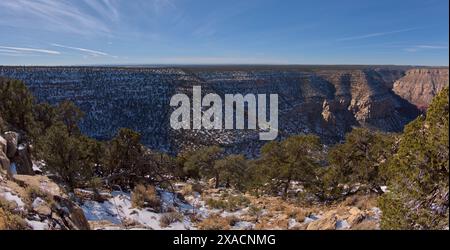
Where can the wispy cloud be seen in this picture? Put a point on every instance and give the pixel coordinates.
(19, 50)
(371, 35)
(62, 15)
(425, 47)
(88, 51)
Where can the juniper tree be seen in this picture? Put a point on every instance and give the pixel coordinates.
(360, 159)
(295, 159)
(204, 162)
(418, 196)
(233, 171)
(16, 105)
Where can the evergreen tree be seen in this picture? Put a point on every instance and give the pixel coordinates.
(418, 196)
(16, 105)
(233, 171)
(65, 155)
(360, 159)
(295, 159)
(70, 115)
(123, 157)
(203, 161)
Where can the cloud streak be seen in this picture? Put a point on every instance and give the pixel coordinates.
(88, 51)
(371, 35)
(425, 47)
(19, 50)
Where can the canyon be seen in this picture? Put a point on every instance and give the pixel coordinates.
(324, 100)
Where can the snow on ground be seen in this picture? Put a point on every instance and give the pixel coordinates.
(342, 225)
(7, 195)
(37, 225)
(118, 209)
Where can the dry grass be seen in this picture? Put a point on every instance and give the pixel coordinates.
(9, 220)
(363, 202)
(217, 222)
(190, 189)
(229, 203)
(168, 218)
(32, 192)
(143, 197)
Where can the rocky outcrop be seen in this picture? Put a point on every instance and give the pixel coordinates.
(12, 138)
(41, 204)
(4, 160)
(12, 153)
(419, 86)
(22, 159)
(326, 101)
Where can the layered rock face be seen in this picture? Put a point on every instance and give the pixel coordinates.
(324, 101)
(419, 86)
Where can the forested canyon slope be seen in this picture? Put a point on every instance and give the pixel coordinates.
(324, 100)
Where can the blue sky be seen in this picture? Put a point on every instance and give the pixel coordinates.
(83, 32)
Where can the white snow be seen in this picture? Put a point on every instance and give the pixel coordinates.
(119, 208)
(7, 195)
(37, 225)
(342, 225)
(37, 202)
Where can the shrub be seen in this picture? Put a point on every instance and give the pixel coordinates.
(168, 218)
(9, 220)
(228, 202)
(143, 197)
(33, 192)
(189, 189)
(214, 222)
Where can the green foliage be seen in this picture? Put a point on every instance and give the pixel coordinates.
(70, 115)
(233, 171)
(122, 157)
(229, 203)
(295, 159)
(16, 106)
(419, 173)
(203, 161)
(359, 160)
(66, 155)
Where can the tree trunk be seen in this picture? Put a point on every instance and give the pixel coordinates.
(286, 188)
(217, 181)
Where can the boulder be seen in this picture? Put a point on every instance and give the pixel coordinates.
(4, 162)
(3, 144)
(356, 216)
(40, 182)
(12, 138)
(71, 214)
(41, 207)
(326, 222)
(22, 159)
